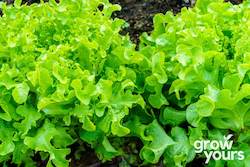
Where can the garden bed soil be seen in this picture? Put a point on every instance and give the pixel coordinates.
(139, 13)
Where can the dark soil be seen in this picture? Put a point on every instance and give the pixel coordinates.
(139, 13)
(235, 2)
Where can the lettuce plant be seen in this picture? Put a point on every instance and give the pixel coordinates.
(65, 72)
(199, 62)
